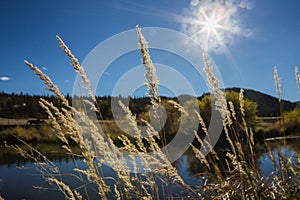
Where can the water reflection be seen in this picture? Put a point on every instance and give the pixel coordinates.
(190, 166)
(54, 152)
(18, 175)
(288, 149)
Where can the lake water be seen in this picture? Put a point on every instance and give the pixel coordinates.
(18, 176)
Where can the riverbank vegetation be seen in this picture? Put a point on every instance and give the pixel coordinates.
(33, 133)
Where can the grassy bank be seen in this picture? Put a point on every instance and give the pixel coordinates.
(29, 134)
(46, 134)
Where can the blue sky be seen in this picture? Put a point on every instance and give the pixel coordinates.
(268, 35)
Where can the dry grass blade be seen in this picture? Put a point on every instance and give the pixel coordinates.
(152, 80)
(278, 89)
(277, 83)
(51, 86)
(67, 118)
(213, 82)
(201, 122)
(75, 63)
(80, 71)
(65, 188)
(178, 107)
(219, 98)
(297, 76)
(233, 114)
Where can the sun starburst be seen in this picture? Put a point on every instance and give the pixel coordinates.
(214, 24)
(211, 24)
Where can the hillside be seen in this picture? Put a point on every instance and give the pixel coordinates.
(267, 105)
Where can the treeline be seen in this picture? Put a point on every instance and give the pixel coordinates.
(20, 106)
(27, 106)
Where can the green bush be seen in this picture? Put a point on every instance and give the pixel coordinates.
(250, 109)
(291, 121)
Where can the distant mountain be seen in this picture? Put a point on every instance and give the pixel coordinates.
(297, 102)
(267, 105)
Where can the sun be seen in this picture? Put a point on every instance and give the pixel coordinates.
(213, 24)
(210, 25)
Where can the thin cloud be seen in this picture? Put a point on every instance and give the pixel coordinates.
(45, 68)
(67, 81)
(4, 78)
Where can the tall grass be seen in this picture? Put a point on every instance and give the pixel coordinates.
(233, 176)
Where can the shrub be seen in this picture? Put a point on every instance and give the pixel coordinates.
(233, 97)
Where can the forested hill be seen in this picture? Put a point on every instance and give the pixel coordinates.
(27, 106)
(267, 105)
